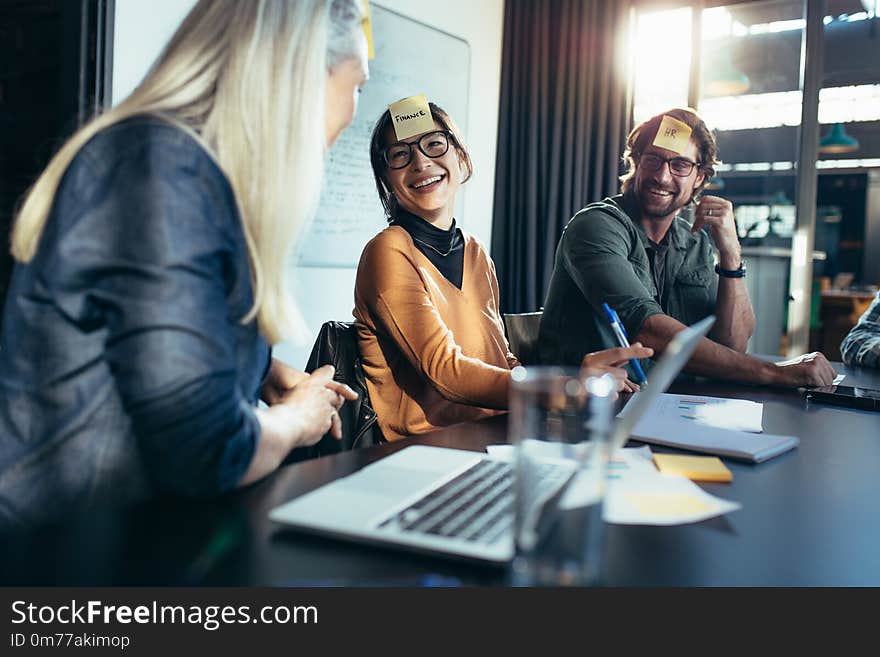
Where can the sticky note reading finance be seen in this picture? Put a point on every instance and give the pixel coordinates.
(673, 135)
(411, 116)
(696, 468)
(368, 30)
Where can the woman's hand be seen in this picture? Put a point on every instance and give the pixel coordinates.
(307, 405)
(299, 416)
(313, 406)
(283, 378)
(280, 379)
(609, 361)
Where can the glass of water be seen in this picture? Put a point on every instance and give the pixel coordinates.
(560, 423)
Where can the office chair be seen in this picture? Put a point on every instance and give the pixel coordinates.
(522, 334)
(336, 345)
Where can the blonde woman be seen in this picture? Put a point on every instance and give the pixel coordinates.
(149, 278)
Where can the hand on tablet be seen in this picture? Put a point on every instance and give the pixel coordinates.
(811, 369)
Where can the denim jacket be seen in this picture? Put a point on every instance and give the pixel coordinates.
(125, 369)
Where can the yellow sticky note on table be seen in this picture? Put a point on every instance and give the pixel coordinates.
(411, 116)
(368, 30)
(696, 468)
(668, 504)
(672, 135)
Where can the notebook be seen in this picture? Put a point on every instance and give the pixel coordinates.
(740, 445)
(710, 425)
(450, 502)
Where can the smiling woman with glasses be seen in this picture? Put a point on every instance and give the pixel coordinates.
(430, 333)
(433, 144)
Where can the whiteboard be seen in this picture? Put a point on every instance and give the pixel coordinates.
(140, 32)
(411, 58)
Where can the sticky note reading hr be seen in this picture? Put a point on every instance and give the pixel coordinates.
(673, 135)
(411, 116)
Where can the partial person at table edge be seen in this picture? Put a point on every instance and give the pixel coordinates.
(149, 280)
(658, 271)
(861, 346)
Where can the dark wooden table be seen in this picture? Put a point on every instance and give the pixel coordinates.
(809, 517)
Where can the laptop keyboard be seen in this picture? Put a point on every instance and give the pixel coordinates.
(475, 506)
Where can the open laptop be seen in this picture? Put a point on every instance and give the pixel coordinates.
(451, 502)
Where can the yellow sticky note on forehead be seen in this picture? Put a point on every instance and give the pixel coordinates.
(368, 30)
(673, 135)
(411, 116)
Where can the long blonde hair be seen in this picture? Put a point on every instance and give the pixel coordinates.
(247, 79)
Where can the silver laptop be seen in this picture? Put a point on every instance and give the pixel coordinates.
(677, 354)
(452, 502)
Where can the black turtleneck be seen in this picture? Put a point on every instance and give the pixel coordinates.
(444, 248)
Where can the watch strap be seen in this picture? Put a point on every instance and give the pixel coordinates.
(732, 273)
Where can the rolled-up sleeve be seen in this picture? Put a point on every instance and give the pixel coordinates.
(862, 345)
(595, 250)
(151, 263)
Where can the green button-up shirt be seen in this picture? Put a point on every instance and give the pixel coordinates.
(602, 258)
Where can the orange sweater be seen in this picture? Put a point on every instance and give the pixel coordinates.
(433, 355)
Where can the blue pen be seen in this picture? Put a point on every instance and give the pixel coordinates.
(620, 332)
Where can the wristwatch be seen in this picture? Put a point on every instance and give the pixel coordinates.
(732, 273)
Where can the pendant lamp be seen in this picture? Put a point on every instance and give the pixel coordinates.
(725, 80)
(837, 141)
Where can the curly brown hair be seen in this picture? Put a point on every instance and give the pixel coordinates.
(641, 136)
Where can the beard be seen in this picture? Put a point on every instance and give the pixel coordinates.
(655, 206)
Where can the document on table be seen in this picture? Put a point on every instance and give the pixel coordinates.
(738, 414)
(637, 494)
(689, 422)
(640, 495)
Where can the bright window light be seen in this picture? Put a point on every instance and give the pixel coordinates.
(661, 80)
(853, 163)
(752, 110)
(718, 24)
(864, 163)
(752, 166)
(752, 220)
(836, 105)
(739, 30)
(787, 26)
(848, 104)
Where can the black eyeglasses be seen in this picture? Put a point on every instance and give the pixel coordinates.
(678, 166)
(432, 144)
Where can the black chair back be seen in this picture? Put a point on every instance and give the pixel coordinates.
(522, 334)
(337, 346)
